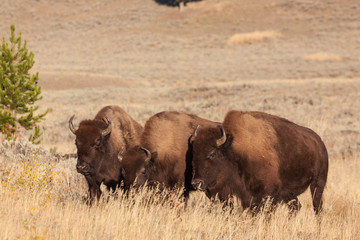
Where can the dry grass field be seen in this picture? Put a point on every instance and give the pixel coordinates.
(299, 60)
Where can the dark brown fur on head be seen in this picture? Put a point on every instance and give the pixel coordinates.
(89, 130)
(99, 142)
(206, 173)
(90, 142)
(132, 164)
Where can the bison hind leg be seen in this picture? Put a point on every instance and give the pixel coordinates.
(317, 189)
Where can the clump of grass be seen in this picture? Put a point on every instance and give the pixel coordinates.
(252, 37)
(26, 169)
(323, 57)
(35, 175)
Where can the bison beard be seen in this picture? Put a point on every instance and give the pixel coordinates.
(262, 156)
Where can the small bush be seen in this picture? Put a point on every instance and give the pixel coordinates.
(33, 175)
(19, 90)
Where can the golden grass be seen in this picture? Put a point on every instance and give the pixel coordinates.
(322, 57)
(57, 210)
(252, 37)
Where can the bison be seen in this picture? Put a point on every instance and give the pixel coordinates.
(160, 161)
(100, 142)
(253, 156)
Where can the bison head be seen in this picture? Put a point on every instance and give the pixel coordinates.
(208, 146)
(91, 141)
(137, 167)
(145, 175)
(133, 166)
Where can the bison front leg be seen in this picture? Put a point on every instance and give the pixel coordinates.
(294, 205)
(94, 189)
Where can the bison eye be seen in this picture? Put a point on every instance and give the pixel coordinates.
(142, 171)
(97, 143)
(212, 155)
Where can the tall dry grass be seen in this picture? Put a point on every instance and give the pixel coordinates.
(42, 195)
(56, 210)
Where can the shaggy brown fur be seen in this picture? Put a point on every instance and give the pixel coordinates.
(263, 156)
(165, 136)
(98, 153)
(132, 164)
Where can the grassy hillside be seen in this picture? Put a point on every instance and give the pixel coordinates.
(296, 59)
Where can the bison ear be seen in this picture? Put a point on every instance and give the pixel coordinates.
(154, 156)
(97, 142)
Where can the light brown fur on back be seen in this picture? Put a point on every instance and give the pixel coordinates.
(254, 138)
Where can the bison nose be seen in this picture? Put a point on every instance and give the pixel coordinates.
(82, 167)
(198, 184)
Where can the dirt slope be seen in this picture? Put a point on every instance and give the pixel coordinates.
(147, 58)
(141, 41)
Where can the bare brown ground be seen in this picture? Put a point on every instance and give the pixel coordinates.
(147, 58)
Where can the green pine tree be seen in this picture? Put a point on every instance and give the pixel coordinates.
(19, 90)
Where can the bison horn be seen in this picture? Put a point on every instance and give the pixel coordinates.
(221, 140)
(191, 138)
(196, 131)
(148, 154)
(71, 125)
(107, 130)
